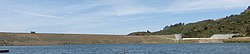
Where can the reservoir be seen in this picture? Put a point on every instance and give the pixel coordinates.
(222, 48)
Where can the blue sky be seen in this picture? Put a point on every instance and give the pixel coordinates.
(109, 16)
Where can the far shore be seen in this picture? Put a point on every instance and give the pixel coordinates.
(36, 39)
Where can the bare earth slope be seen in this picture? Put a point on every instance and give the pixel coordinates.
(8, 39)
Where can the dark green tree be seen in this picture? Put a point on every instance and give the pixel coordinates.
(248, 31)
(166, 27)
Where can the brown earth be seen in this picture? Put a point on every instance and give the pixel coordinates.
(238, 40)
(19, 39)
(38, 39)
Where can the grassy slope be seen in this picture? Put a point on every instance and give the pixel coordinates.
(206, 28)
(65, 39)
(229, 24)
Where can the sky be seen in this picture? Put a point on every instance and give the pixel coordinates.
(109, 16)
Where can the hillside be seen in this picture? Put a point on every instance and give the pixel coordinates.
(27, 39)
(239, 24)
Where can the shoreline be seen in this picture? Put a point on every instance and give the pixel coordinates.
(28, 39)
(129, 44)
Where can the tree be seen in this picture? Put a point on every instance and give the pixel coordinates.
(166, 27)
(248, 31)
(148, 31)
(248, 7)
(178, 24)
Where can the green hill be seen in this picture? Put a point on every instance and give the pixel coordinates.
(239, 24)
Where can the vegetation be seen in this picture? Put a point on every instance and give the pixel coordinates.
(248, 31)
(6, 43)
(236, 41)
(37, 39)
(230, 24)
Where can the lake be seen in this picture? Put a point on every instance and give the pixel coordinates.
(224, 48)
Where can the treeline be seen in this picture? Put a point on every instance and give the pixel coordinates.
(236, 24)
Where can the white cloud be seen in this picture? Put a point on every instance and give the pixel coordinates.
(99, 13)
(130, 7)
(194, 5)
(37, 14)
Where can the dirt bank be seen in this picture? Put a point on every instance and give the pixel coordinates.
(19, 39)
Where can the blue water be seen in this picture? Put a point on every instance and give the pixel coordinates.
(232, 48)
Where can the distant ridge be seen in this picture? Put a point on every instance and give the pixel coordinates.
(58, 33)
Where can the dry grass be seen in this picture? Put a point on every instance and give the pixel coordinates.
(64, 39)
(238, 40)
